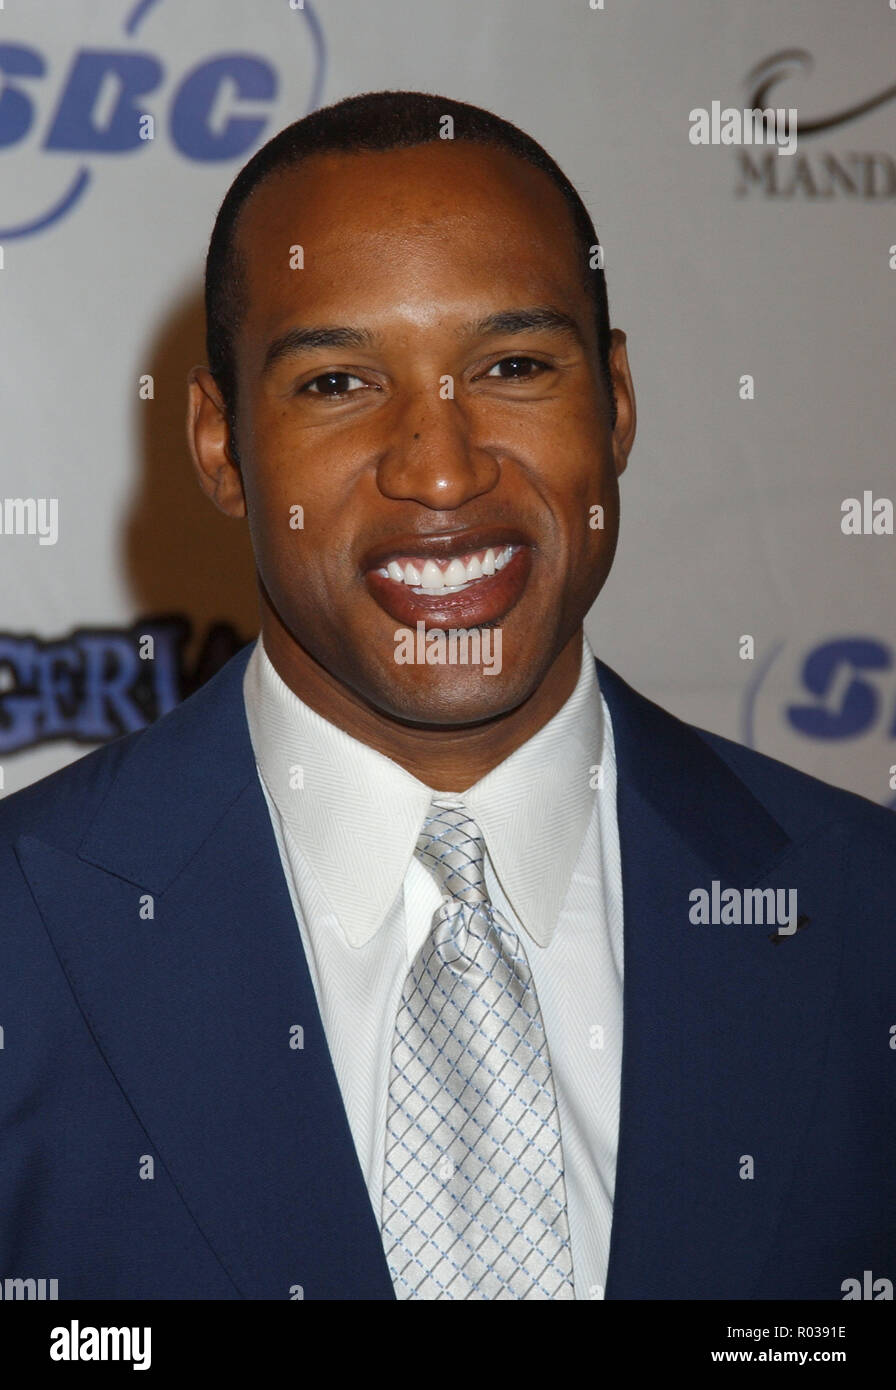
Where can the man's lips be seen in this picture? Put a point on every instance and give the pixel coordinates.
(482, 576)
(442, 545)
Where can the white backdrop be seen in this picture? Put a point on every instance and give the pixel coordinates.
(722, 262)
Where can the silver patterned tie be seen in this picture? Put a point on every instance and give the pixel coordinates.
(474, 1201)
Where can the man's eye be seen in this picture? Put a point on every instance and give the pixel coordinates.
(516, 367)
(332, 384)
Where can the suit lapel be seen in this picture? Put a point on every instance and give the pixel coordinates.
(724, 1030)
(196, 1008)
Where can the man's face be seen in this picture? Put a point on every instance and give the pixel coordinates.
(433, 429)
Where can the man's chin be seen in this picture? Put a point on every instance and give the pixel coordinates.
(445, 698)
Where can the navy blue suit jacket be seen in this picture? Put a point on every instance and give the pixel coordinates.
(129, 1038)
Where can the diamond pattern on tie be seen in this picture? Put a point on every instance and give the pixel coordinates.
(474, 1200)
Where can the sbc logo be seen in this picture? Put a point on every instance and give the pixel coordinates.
(99, 100)
(830, 710)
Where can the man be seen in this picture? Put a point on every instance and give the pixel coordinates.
(416, 955)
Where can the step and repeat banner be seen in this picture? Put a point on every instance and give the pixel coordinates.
(752, 264)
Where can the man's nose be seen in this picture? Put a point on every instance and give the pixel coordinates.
(431, 456)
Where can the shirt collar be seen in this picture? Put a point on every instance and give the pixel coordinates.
(341, 800)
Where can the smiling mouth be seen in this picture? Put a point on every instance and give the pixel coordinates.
(466, 589)
(451, 576)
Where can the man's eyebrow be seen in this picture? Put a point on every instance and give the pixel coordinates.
(298, 340)
(541, 318)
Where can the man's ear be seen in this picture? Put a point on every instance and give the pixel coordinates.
(626, 414)
(208, 435)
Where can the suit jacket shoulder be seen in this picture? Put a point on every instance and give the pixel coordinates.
(798, 800)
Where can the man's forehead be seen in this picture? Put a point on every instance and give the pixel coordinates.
(439, 186)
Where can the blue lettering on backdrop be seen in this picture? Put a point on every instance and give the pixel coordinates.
(205, 122)
(94, 685)
(849, 685)
(829, 674)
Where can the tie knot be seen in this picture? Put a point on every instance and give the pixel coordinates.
(451, 847)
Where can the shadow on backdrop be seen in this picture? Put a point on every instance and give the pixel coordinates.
(182, 557)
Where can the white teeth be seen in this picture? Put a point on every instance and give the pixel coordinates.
(426, 576)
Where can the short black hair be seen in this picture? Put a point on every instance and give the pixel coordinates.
(374, 121)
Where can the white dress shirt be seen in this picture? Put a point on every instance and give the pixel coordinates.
(346, 820)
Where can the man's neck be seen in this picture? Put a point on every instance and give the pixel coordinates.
(448, 758)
